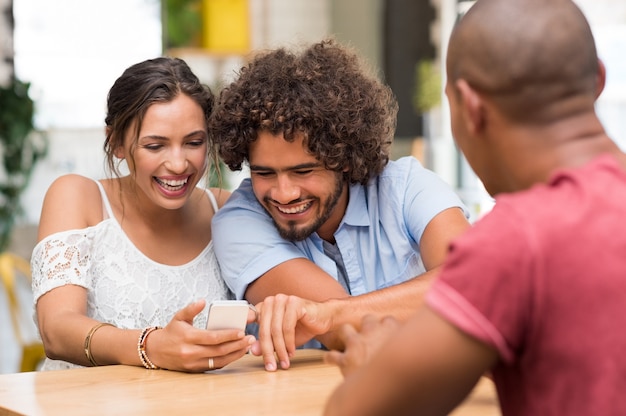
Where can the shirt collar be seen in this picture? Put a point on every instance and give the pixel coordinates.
(356, 212)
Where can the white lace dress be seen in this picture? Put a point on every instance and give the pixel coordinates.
(124, 287)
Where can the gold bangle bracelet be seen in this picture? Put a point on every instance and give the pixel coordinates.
(87, 344)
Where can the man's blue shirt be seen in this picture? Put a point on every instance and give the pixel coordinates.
(378, 238)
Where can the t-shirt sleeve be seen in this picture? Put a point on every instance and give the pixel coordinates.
(61, 259)
(485, 286)
(246, 241)
(426, 195)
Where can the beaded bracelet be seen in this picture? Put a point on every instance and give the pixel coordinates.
(87, 344)
(141, 347)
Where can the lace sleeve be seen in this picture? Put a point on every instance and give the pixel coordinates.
(61, 259)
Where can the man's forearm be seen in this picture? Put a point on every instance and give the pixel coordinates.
(400, 301)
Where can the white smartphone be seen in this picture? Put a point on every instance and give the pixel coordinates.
(228, 314)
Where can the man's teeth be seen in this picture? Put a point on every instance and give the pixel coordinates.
(171, 184)
(295, 210)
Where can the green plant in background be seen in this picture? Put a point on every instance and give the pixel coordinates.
(182, 23)
(426, 96)
(428, 86)
(20, 149)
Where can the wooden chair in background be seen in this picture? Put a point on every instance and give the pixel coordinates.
(11, 268)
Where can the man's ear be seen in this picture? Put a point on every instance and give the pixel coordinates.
(472, 107)
(601, 78)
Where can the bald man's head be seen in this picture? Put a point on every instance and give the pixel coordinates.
(527, 55)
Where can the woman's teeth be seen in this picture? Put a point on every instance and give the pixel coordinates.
(172, 185)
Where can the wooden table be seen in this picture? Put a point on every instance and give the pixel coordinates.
(242, 388)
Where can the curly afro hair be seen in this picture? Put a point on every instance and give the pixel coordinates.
(346, 116)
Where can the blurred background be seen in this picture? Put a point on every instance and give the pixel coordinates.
(69, 52)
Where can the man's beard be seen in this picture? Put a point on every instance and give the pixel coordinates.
(293, 233)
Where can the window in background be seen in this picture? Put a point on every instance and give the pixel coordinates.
(611, 104)
(71, 51)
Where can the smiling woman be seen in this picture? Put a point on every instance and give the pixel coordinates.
(124, 266)
(173, 135)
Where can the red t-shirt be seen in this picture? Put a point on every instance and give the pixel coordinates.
(542, 278)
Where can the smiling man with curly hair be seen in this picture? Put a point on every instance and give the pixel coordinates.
(327, 229)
